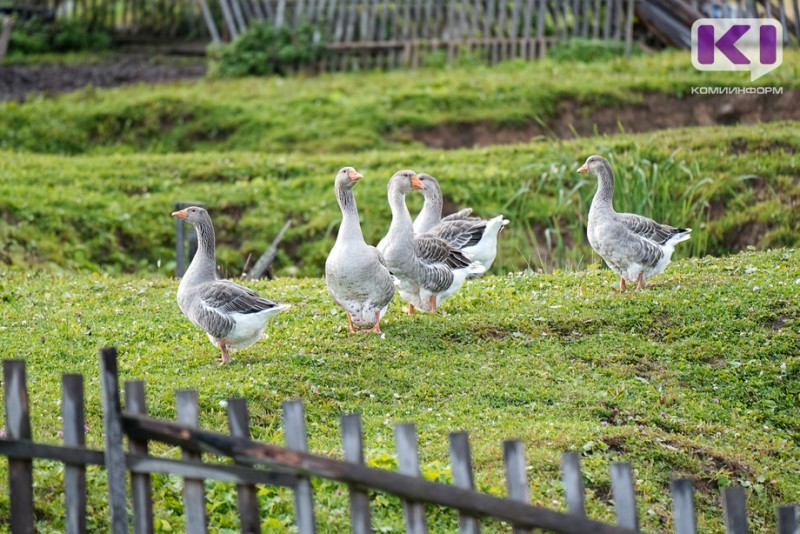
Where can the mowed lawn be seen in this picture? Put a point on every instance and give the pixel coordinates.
(695, 376)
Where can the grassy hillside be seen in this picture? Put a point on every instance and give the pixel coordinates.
(736, 186)
(350, 111)
(698, 375)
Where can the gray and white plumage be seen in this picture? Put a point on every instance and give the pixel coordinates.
(355, 273)
(428, 269)
(233, 316)
(473, 236)
(634, 246)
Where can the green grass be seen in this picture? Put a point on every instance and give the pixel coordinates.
(697, 376)
(346, 112)
(735, 186)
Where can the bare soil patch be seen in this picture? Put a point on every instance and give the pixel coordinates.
(656, 112)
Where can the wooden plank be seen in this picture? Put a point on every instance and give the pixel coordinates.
(353, 443)
(26, 450)
(516, 475)
(339, 13)
(618, 23)
(596, 20)
(624, 495)
(501, 19)
(280, 13)
(461, 460)
(683, 506)
(573, 483)
(212, 31)
(299, 10)
(796, 9)
(527, 20)
(787, 517)
(238, 16)
(141, 485)
(227, 15)
(405, 439)
(294, 426)
(735, 510)
(114, 453)
(236, 474)
(74, 436)
(586, 15)
(629, 29)
(249, 513)
(18, 427)
(290, 461)
(540, 20)
(194, 494)
(607, 19)
(474, 30)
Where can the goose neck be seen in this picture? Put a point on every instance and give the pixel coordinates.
(351, 227)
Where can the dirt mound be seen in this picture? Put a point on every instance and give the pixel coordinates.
(656, 112)
(17, 82)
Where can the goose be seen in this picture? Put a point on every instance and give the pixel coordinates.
(475, 237)
(635, 247)
(428, 269)
(233, 316)
(356, 273)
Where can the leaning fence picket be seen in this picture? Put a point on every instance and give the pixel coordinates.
(114, 453)
(141, 485)
(194, 495)
(683, 506)
(294, 426)
(624, 495)
(573, 483)
(18, 427)
(405, 438)
(353, 445)
(734, 510)
(461, 461)
(249, 514)
(74, 432)
(516, 475)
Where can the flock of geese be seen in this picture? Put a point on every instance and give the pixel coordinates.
(426, 260)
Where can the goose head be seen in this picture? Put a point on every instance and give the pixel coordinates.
(431, 189)
(193, 215)
(405, 182)
(595, 165)
(347, 177)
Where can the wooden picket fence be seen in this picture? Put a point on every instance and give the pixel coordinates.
(293, 467)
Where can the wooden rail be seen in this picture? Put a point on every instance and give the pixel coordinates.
(294, 467)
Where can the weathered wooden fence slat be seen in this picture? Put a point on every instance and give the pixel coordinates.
(249, 514)
(114, 451)
(461, 461)
(516, 475)
(405, 438)
(141, 485)
(353, 445)
(683, 506)
(573, 483)
(294, 425)
(74, 436)
(734, 510)
(18, 427)
(624, 495)
(194, 494)
(788, 520)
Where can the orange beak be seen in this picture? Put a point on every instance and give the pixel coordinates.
(416, 183)
(180, 214)
(583, 168)
(354, 175)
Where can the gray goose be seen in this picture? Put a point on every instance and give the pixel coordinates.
(428, 269)
(475, 237)
(635, 247)
(233, 316)
(356, 273)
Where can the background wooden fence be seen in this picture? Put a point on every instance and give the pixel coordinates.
(293, 467)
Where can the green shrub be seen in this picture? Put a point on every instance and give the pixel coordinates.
(264, 49)
(34, 36)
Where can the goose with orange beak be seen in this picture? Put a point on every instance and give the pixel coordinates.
(633, 246)
(427, 268)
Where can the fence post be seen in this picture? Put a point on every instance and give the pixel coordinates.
(194, 497)
(405, 438)
(461, 460)
(516, 475)
(249, 512)
(294, 425)
(114, 452)
(74, 436)
(353, 443)
(683, 506)
(787, 519)
(735, 510)
(573, 483)
(624, 495)
(18, 425)
(141, 486)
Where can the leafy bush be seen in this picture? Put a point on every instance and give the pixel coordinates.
(35, 36)
(264, 49)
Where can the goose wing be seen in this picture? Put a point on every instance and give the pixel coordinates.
(648, 228)
(461, 215)
(460, 234)
(432, 250)
(229, 297)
